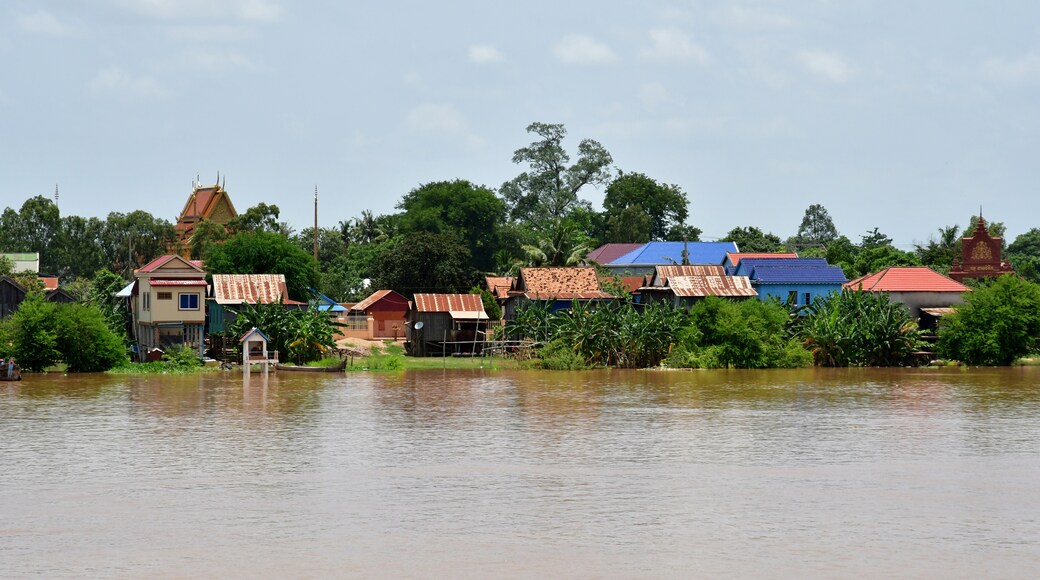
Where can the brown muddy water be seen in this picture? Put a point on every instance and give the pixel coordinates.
(477, 474)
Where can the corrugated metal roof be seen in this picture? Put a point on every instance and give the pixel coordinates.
(468, 314)
(664, 253)
(769, 274)
(448, 303)
(711, 285)
(663, 273)
(249, 288)
(907, 279)
(937, 312)
(375, 297)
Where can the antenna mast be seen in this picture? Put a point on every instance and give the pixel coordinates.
(315, 223)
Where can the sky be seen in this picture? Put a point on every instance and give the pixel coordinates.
(901, 115)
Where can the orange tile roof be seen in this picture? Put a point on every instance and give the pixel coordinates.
(735, 257)
(499, 285)
(49, 282)
(561, 283)
(448, 303)
(907, 279)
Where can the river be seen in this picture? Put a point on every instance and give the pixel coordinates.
(475, 474)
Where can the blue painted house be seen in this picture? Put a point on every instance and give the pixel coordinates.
(794, 281)
(646, 258)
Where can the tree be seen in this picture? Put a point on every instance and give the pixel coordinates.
(631, 225)
(259, 218)
(559, 244)
(999, 323)
(875, 259)
(34, 334)
(77, 250)
(752, 239)
(472, 213)
(330, 244)
(995, 229)
(665, 206)
(1024, 254)
(33, 228)
(86, 343)
(131, 240)
(817, 227)
(204, 234)
(264, 253)
(550, 189)
(874, 239)
(939, 252)
(854, 328)
(423, 262)
(103, 290)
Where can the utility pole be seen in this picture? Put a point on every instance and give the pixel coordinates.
(315, 223)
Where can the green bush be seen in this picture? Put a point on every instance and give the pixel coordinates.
(86, 341)
(182, 356)
(999, 323)
(34, 333)
(558, 356)
(855, 328)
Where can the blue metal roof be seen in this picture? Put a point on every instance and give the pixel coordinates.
(326, 304)
(769, 274)
(747, 264)
(668, 253)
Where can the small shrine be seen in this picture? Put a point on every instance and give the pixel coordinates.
(254, 350)
(980, 256)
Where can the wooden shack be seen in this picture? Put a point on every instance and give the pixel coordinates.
(11, 295)
(447, 325)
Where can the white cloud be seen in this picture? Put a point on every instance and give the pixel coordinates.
(441, 120)
(116, 81)
(825, 64)
(209, 32)
(653, 94)
(485, 54)
(43, 22)
(1024, 69)
(744, 17)
(247, 10)
(220, 60)
(583, 50)
(669, 45)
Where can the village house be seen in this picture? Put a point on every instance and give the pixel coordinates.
(11, 295)
(794, 281)
(926, 293)
(684, 285)
(556, 287)
(645, 258)
(607, 253)
(446, 325)
(167, 305)
(233, 290)
(385, 313)
(23, 261)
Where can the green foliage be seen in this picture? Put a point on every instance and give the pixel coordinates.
(259, 218)
(939, 251)
(182, 356)
(817, 227)
(999, 323)
(752, 239)
(737, 334)
(559, 356)
(471, 213)
(6, 266)
(491, 307)
(102, 295)
(559, 243)
(132, 240)
(389, 357)
(875, 259)
(639, 209)
(85, 341)
(264, 253)
(854, 328)
(205, 234)
(34, 333)
(424, 262)
(549, 190)
(300, 335)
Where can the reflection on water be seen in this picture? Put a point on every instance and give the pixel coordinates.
(821, 472)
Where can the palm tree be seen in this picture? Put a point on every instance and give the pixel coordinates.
(560, 245)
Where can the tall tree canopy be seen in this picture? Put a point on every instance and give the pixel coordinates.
(632, 195)
(422, 262)
(264, 253)
(752, 239)
(550, 188)
(459, 208)
(817, 227)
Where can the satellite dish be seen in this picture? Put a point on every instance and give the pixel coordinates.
(418, 325)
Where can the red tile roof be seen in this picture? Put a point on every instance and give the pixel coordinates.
(607, 253)
(49, 282)
(499, 285)
(630, 283)
(907, 279)
(561, 283)
(735, 257)
(163, 260)
(448, 303)
(249, 288)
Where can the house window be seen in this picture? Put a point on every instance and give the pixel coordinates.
(792, 298)
(808, 298)
(189, 301)
(164, 295)
(146, 301)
